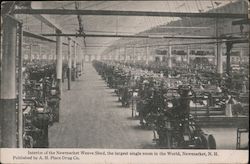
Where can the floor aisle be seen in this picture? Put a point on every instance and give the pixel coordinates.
(91, 117)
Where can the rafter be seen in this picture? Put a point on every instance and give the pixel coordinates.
(142, 36)
(128, 13)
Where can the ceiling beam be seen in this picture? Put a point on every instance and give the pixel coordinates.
(142, 36)
(171, 0)
(128, 13)
(183, 27)
(40, 37)
(35, 36)
(242, 21)
(235, 41)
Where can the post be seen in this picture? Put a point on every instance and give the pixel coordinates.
(20, 87)
(51, 55)
(30, 55)
(59, 59)
(115, 55)
(80, 59)
(69, 63)
(219, 59)
(58, 69)
(90, 57)
(48, 57)
(147, 53)
(241, 56)
(119, 54)
(134, 54)
(74, 63)
(170, 57)
(77, 60)
(8, 85)
(215, 55)
(219, 49)
(83, 59)
(229, 46)
(125, 54)
(40, 52)
(188, 55)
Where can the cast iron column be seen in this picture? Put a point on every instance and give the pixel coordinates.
(8, 85)
(58, 70)
(170, 57)
(69, 63)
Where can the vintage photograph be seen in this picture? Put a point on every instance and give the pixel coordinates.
(171, 74)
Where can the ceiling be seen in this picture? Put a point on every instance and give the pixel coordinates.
(118, 24)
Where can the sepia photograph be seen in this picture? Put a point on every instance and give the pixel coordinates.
(124, 81)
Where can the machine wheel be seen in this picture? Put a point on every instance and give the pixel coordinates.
(208, 142)
(211, 142)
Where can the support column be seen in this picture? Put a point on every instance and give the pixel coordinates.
(82, 61)
(69, 63)
(20, 87)
(46, 56)
(215, 56)
(188, 55)
(112, 56)
(160, 56)
(84, 57)
(241, 56)
(54, 56)
(125, 54)
(74, 63)
(229, 46)
(139, 55)
(78, 53)
(30, 55)
(40, 52)
(58, 70)
(119, 54)
(219, 50)
(134, 54)
(147, 53)
(115, 55)
(219, 59)
(51, 55)
(8, 85)
(170, 56)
